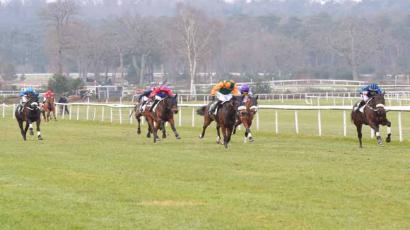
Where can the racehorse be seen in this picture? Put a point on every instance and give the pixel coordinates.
(49, 107)
(156, 119)
(225, 120)
(29, 113)
(374, 115)
(245, 115)
(145, 113)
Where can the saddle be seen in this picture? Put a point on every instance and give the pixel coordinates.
(156, 105)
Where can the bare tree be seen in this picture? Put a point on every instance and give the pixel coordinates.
(59, 16)
(197, 32)
(353, 40)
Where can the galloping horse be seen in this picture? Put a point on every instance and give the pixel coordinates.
(374, 115)
(245, 115)
(225, 120)
(138, 114)
(29, 113)
(164, 112)
(49, 107)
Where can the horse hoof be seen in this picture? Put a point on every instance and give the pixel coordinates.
(31, 133)
(200, 137)
(164, 136)
(388, 140)
(40, 138)
(251, 140)
(178, 137)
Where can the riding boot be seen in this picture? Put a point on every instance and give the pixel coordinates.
(213, 107)
(153, 105)
(359, 106)
(142, 106)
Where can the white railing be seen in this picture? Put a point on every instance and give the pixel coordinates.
(121, 112)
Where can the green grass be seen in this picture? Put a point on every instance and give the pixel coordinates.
(93, 175)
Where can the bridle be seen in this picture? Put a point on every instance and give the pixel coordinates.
(376, 108)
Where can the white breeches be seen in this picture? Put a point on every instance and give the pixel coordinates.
(364, 96)
(144, 98)
(24, 99)
(223, 97)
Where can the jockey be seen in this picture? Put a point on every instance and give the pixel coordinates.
(367, 93)
(245, 92)
(223, 90)
(25, 94)
(159, 93)
(48, 94)
(143, 99)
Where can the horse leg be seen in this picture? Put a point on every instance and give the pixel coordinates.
(38, 122)
(388, 138)
(218, 138)
(164, 132)
(227, 136)
(156, 126)
(150, 128)
(250, 137)
(30, 124)
(359, 134)
(377, 131)
(238, 122)
(48, 116)
(207, 122)
(54, 114)
(226, 132)
(139, 125)
(25, 129)
(172, 123)
(21, 129)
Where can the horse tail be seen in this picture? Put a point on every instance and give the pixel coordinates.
(201, 111)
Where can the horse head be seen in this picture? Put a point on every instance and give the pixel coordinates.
(171, 103)
(376, 103)
(252, 104)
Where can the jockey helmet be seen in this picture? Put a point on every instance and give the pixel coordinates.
(373, 86)
(245, 88)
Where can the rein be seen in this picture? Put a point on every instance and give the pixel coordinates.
(377, 106)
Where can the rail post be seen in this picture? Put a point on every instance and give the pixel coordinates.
(344, 124)
(180, 116)
(193, 116)
(400, 127)
(78, 112)
(257, 121)
(102, 113)
(276, 122)
(120, 113)
(296, 122)
(70, 112)
(319, 123)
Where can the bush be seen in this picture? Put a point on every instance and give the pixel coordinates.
(61, 84)
(262, 88)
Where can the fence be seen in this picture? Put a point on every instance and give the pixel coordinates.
(119, 113)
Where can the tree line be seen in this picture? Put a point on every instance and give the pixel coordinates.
(190, 43)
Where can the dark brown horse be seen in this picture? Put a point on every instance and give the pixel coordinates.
(374, 115)
(164, 112)
(225, 120)
(245, 115)
(29, 113)
(139, 114)
(48, 108)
